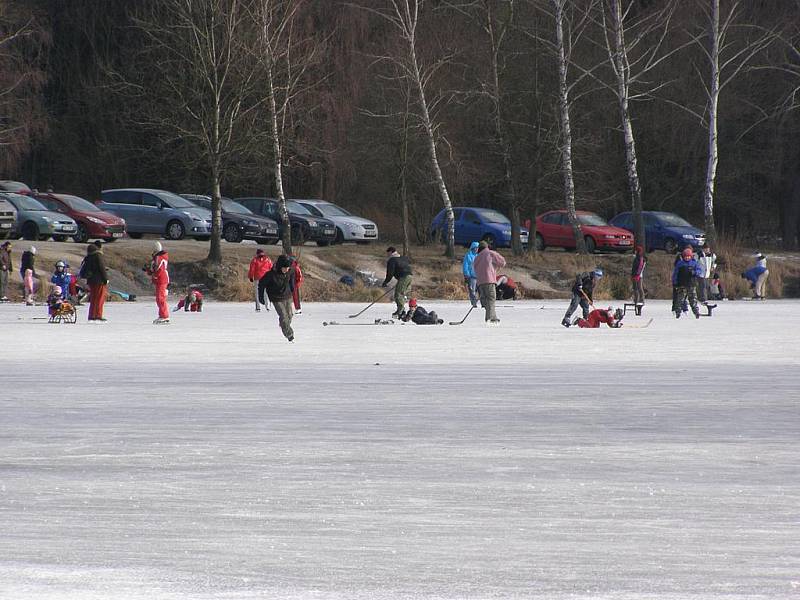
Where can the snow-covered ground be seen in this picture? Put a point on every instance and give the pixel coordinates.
(211, 459)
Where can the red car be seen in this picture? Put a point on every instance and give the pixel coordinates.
(93, 223)
(553, 229)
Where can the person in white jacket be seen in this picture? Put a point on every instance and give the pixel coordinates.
(707, 261)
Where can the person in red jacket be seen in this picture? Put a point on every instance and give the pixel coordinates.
(298, 281)
(192, 302)
(159, 275)
(260, 265)
(608, 316)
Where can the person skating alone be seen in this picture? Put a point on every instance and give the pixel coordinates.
(279, 285)
(5, 269)
(260, 265)
(159, 275)
(94, 271)
(486, 264)
(637, 278)
(27, 271)
(707, 261)
(582, 294)
(399, 268)
(468, 270)
(684, 283)
(419, 316)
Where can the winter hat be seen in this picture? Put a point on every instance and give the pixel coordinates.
(92, 249)
(474, 246)
(483, 245)
(33, 249)
(57, 289)
(412, 303)
(6, 245)
(598, 272)
(259, 252)
(283, 261)
(98, 243)
(391, 250)
(157, 246)
(687, 253)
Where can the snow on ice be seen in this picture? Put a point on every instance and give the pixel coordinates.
(211, 459)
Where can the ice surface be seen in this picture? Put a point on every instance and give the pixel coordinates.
(211, 459)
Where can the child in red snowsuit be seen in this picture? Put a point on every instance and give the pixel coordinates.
(157, 269)
(192, 302)
(600, 315)
(298, 281)
(260, 265)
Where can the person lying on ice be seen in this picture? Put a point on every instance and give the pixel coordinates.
(192, 302)
(420, 316)
(506, 288)
(609, 316)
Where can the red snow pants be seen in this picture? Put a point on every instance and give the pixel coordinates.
(97, 299)
(161, 301)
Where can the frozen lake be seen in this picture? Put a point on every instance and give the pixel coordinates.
(211, 459)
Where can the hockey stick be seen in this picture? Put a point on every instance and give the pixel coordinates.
(637, 325)
(471, 308)
(368, 306)
(376, 322)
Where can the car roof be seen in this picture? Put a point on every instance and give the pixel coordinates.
(150, 190)
(563, 210)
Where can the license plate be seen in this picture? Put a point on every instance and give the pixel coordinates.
(116, 235)
(329, 232)
(5, 225)
(624, 242)
(68, 228)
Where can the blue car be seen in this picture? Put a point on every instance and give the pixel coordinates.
(473, 224)
(663, 230)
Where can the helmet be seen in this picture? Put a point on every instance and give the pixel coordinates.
(412, 303)
(57, 289)
(598, 272)
(60, 264)
(33, 249)
(618, 314)
(157, 246)
(687, 253)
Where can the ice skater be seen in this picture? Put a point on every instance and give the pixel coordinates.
(279, 285)
(298, 282)
(94, 271)
(486, 264)
(260, 265)
(468, 270)
(708, 262)
(637, 277)
(399, 268)
(685, 274)
(5, 269)
(582, 293)
(27, 270)
(159, 275)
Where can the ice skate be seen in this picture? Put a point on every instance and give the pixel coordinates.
(161, 321)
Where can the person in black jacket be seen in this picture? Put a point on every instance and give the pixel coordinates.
(94, 271)
(27, 270)
(582, 291)
(398, 267)
(418, 315)
(279, 283)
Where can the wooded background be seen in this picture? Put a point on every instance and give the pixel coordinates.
(88, 102)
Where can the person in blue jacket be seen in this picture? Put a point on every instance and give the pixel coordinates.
(467, 268)
(685, 274)
(62, 279)
(757, 276)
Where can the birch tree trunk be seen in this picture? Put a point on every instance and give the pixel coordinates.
(713, 109)
(566, 131)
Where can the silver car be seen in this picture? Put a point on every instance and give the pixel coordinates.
(157, 211)
(36, 222)
(349, 228)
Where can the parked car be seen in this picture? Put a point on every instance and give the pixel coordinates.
(157, 211)
(239, 222)
(93, 223)
(349, 228)
(473, 224)
(305, 226)
(36, 222)
(8, 220)
(6, 185)
(664, 230)
(554, 229)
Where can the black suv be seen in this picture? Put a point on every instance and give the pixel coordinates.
(239, 222)
(305, 226)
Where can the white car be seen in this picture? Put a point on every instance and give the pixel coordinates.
(349, 228)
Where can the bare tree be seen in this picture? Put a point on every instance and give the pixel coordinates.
(403, 16)
(202, 63)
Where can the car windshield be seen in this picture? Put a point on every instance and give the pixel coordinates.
(234, 207)
(592, 219)
(175, 201)
(76, 203)
(25, 202)
(331, 210)
(296, 208)
(492, 216)
(672, 220)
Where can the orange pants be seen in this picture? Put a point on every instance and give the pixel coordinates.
(97, 299)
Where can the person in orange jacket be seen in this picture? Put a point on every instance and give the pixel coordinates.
(157, 269)
(298, 281)
(260, 265)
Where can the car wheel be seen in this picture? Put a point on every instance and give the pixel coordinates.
(591, 246)
(271, 242)
(298, 236)
(59, 238)
(489, 239)
(364, 242)
(539, 243)
(175, 230)
(30, 231)
(82, 235)
(323, 243)
(232, 233)
(670, 246)
(339, 237)
(135, 236)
